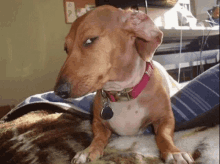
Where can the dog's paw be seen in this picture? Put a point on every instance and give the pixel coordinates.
(179, 158)
(80, 157)
(86, 155)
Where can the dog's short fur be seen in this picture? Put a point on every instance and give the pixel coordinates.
(108, 49)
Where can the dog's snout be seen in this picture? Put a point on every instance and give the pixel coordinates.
(63, 90)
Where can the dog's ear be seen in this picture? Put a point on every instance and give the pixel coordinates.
(148, 36)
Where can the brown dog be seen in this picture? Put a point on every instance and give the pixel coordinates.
(110, 50)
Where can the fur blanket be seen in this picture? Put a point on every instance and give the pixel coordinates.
(50, 135)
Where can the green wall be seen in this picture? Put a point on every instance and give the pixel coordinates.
(32, 34)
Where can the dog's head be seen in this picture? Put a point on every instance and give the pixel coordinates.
(103, 46)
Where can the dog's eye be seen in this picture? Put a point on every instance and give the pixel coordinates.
(89, 41)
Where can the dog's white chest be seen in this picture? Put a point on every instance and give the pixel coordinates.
(128, 117)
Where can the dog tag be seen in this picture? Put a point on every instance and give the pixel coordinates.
(107, 113)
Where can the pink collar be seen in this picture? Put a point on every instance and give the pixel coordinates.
(131, 93)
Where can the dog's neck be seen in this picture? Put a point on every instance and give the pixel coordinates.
(136, 76)
(124, 91)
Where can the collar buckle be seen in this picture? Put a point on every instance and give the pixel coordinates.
(124, 95)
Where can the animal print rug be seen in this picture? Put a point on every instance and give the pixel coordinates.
(49, 134)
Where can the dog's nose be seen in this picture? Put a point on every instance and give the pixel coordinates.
(63, 90)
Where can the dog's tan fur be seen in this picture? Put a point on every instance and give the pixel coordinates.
(115, 60)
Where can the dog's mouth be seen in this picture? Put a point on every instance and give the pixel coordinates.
(72, 85)
(68, 91)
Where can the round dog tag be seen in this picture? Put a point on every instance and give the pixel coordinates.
(107, 113)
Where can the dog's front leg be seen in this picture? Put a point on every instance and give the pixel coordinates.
(101, 134)
(164, 137)
(95, 150)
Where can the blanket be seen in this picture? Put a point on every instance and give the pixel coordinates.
(48, 137)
